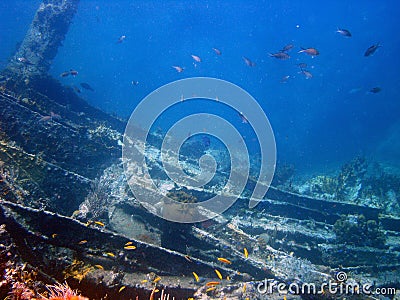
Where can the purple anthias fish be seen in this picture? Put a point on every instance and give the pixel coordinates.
(280, 55)
(287, 47)
(248, 62)
(344, 32)
(371, 50)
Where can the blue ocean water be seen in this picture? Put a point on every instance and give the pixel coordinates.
(318, 123)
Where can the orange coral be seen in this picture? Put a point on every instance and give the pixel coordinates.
(69, 298)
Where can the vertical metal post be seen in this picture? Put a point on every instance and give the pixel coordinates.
(45, 35)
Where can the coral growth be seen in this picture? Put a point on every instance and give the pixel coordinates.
(360, 182)
(325, 186)
(358, 231)
(77, 270)
(62, 292)
(96, 203)
(17, 281)
(106, 192)
(182, 196)
(350, 178)
(382, 190)
(23, 285)
(20, 281)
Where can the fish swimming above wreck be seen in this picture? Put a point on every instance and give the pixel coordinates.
(371, 50)
(343, 32)
(309, 51)
(81, 218)
(248, 62)
(280, 55)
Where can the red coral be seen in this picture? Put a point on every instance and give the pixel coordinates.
(21, 292)
(62, 292)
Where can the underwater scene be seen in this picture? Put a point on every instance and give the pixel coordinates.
(199, 149)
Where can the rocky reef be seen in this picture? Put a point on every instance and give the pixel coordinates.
(359, 181)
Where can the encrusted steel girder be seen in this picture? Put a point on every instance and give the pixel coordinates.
(45, 35)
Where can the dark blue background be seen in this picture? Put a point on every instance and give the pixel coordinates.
(318, 123)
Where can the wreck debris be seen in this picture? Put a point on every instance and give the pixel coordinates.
(45, 35)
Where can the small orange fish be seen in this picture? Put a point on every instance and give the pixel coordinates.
(210, 289)
(131, 247)
(144, 281)
(178, 69)
(187, 257)
(196, 276)
(110, 254)
(99, 267)
(99, 223)
(121, 289)
(211, 283)
(128, 243)
(54, 235)
(246, 253)
(224, 260)
(217, 51)
(196, 58)
(309, 51)
(157, 279)
(218, 274)
(82, 242)
(244, 288)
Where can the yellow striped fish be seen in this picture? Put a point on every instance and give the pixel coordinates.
(196, 276)
(131, 247)
(218, 274)
(246, 253)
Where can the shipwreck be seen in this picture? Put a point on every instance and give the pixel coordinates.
(67, 213)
